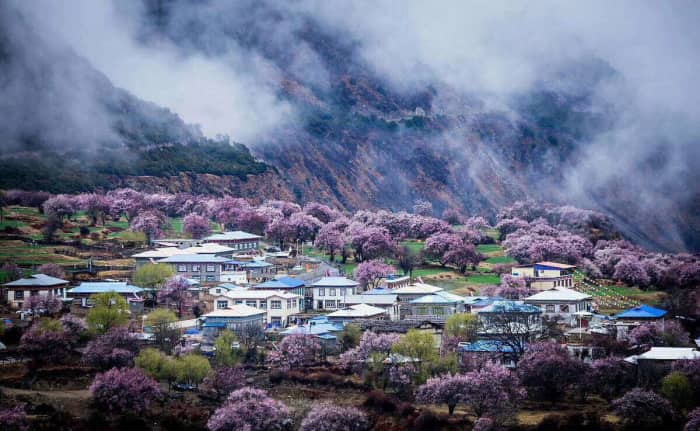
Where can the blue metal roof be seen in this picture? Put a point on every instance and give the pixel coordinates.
(102, 287)
(439, 298)
(327, 337)
(642, 312)
(291, 281)
(492, 346)
(379, 291)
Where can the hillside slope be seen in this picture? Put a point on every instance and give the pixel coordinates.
(65, 128)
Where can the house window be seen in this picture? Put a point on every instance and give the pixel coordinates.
(294, 303)
(276, 305)
(289, 303)
(322, 292)
(195, 277)
(332, 292)
(182, 268)
(438, 311)
(422, 310)
(218, 290)
(210, 278)
(276, 320)
(564, 308)
(251, 304)
(19, 294)
(211, 268)
(549, 308)
(330, 304)
(221, 305)
(196, 268)
(239, 302)
(263, 305)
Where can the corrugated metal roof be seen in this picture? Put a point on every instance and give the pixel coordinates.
(485, 346)
(238, 310)
(103, 287)
(335, 282)
(36, 280)
(558, 294)
(439, 298)
(194, 258)
(357, 311)
(642, 312)
(231, 236)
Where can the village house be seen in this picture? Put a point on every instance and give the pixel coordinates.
(387, 301)
(201, 267)
(635, 316)
(509, 317)
(653, 365)
(357, 311)
(435, 307)
(85, 290)
(286, 284)
(222, 288)
(319, 327)
(258, 270)
(278, 305)
(396, 281)
(153, 256)
(234, 318)
(237, 240)
(561, 302)
(545, 275)
(475, 354)
(413, 291)
(329, 292)
(15, 292)
(177, 242)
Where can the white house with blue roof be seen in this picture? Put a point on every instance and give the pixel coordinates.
(86, 289)
(474, 354)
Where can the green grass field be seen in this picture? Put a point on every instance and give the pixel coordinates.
(414, 245)
(483, 279)
(25, 254)
(489, 248)
(494, 260)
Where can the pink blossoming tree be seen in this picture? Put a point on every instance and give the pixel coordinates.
(331, 417)
(250, 409)
(125, 390)
(370, 272)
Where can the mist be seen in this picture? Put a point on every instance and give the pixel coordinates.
(227, 66)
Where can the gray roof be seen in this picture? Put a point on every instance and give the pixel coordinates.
(370, 299)
(194, 258)
(231, 236)
(335, 282)
(106, 286)
(36, 280)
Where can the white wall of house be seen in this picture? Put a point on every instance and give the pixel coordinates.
(330, 298)
(17, 297)
(278, 308)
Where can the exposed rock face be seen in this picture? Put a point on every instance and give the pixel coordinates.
(257, 188)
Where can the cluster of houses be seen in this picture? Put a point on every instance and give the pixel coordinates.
(242, 286)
